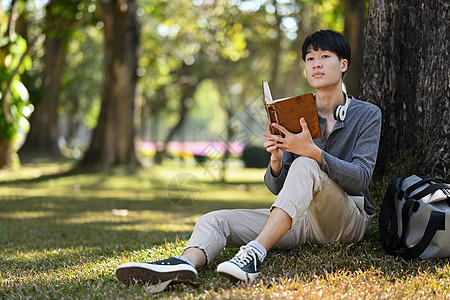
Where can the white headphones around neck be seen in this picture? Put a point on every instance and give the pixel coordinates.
(341, 111)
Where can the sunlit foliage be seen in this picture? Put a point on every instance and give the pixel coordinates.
(14, 96)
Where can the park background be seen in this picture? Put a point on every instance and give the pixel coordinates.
(122, 122)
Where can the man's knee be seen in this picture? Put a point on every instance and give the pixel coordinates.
(305, 164)
(213, 219)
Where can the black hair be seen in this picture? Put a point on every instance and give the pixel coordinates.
(328, 40)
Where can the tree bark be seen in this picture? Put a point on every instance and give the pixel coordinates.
(42, 139)
(113, 140)
(188, 87)
(278, 51)
(406, 75)
(355, 23)
(6, 154)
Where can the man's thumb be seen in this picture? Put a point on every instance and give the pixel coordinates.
(303, 124)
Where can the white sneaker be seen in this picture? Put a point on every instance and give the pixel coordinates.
(155, 272)
(243, 266)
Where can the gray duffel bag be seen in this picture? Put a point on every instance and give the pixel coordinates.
(415, 218)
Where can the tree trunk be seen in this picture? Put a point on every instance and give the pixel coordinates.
(278, 51)
(295, 73)
(406, 74)
(42, 139)
(113, 138)
(229, 137)
(188, 84)
(161, 154)
(6, 154)
(355, 23)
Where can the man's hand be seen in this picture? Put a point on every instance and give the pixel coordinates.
(298, 143)
(276, 159)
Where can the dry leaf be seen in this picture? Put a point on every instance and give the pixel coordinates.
(157, 288)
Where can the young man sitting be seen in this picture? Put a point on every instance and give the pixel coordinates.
(321, 184)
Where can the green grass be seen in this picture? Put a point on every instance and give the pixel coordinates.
(63, 237)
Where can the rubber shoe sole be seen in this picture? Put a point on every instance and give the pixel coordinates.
(235, 273)
(130, 273)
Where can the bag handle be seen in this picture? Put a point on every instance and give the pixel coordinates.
(387, 222)
(436, 222)
(431, 189)
(425, 180)
(409, 204)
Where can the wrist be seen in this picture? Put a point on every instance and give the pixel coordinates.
(317, 155)
(274, 159)
(275, 166)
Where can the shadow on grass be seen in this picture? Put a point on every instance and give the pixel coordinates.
(97, 180)
(44, 223)
(305, 264)
(50, 250)
(40, 234)
(58, 207)
(43, 178)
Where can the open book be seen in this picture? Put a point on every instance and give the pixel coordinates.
(288, 111)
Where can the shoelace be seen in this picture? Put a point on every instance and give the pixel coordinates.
(244, 256)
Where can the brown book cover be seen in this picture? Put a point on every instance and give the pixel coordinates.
(288, 111)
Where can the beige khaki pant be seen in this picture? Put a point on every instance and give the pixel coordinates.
(321, 212)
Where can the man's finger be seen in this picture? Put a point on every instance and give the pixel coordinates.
(282, 146)
(270, 136)
(268, 143)
(303, 124)
(272, 148)
(281, 128)
(280, 140)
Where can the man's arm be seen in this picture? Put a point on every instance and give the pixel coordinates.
(275, 183)
(355, 175)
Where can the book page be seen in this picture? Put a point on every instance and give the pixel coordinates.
(281, 99)
(266, 93)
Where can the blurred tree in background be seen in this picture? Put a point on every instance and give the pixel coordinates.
(113, 137)
(14, 61)
(59, 25)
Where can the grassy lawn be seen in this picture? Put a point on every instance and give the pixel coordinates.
(63, 237)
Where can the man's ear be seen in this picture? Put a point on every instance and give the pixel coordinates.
(344, 65)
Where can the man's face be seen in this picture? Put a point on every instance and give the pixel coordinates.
(324, 68)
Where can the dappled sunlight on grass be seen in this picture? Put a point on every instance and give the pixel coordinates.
(344, 284)
(145, 221)
(60, 232)
(59, 279)
(45, 255)
(89, 274)
(20, 215)
(36, 170)
(63, 237)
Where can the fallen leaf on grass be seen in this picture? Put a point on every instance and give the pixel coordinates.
(191, 283)
(157, 288)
